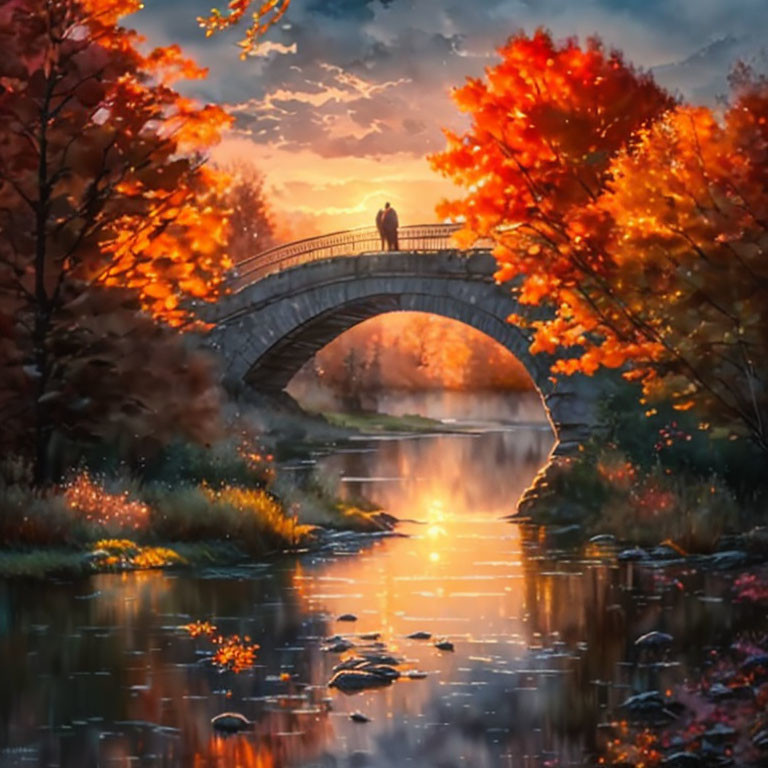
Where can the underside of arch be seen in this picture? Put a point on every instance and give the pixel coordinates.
(274, 369)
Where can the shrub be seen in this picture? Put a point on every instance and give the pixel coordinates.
(249, 517)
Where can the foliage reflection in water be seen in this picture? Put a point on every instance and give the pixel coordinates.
(102, 671)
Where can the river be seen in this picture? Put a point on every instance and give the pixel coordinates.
(99, 673)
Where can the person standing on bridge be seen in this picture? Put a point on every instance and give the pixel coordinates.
(389, 225)
(380, 227)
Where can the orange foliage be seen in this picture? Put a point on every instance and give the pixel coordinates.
(688, 210)
(638, 223)
(127, 201)
(252, 228)
(232, 652)
(125, 554)
(197, 628)
(95, 505)
(546, 123)
(265, 16)
(109, 218)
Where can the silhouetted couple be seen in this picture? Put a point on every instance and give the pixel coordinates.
(386, 223)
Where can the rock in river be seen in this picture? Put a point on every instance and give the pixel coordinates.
(718, 692)
(383, 670)
(726, 560)
(382, 658)
(346, 617)
(635, 553)
(338, 646)
(230, 722)
(419, 635)
(682, 760)
(757, 664)
(359, 717)
(654, 640)
(444, 645)
(649, 705)
(351, 680)
(760, 739)
(664, 552)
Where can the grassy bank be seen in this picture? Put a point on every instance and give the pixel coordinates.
(654, 477)
(93, 525)
(191, 505)
(378, 423)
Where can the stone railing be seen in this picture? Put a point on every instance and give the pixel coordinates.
(352, 242)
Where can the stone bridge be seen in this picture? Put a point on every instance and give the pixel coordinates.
(287, 303)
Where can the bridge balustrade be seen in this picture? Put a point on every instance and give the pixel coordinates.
(353, 242)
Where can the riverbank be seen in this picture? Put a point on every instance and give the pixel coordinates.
(120, 555)
(368, 423)
(239, 501)
(652, 479)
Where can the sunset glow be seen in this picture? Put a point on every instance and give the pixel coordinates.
(313, 195)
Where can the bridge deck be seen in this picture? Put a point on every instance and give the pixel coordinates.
(353, 242)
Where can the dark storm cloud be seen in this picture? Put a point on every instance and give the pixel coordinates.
(346, 10)
(366, 77)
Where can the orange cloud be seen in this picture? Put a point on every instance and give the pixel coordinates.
(313, 195)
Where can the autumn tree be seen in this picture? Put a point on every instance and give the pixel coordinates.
(109, 227)
(634, 221)
(687, 222)
(260, 16)
(251, 229)
(546, 123)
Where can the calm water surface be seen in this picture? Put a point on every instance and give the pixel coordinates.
(98, 673)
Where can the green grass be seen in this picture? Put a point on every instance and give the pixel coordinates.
(42, 563)
(377, 423)
(131, 524)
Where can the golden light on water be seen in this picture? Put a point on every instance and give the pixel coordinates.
(434, 531)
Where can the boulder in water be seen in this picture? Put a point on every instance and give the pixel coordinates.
(346, 617)
(444, 645)
(718, 692)
(654, 640)
(664, 552)
(760, 739)
(382, 658)
(682, 760)
(359, 717)
(757, 663)
(230, 722)
(351, 680)
(338, 646)
(634, 553)
(725, 560)
(649, 705)
(419, 636)
(383, 670)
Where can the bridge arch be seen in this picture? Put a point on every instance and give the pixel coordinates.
(267, 329)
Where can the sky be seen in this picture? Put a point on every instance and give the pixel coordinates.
(346, 98)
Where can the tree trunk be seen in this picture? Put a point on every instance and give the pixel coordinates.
(43, 425)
